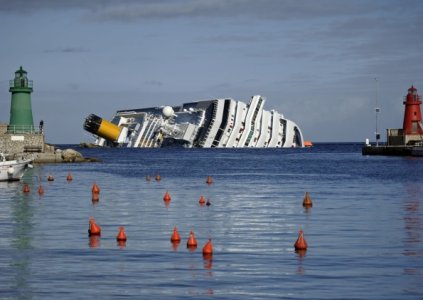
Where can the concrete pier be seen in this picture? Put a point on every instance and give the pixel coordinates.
(391, 150)
(32, 145)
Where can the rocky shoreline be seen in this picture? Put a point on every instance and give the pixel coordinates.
(55, 156)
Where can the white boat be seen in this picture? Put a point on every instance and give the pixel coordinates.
(12, 170)
(215, 123)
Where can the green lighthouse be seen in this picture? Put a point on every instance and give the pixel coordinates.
(20, 109)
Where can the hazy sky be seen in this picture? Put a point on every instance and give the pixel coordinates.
(315, 61)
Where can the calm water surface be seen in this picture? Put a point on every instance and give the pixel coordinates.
(364, 230)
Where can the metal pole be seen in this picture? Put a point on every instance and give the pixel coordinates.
(377, 112)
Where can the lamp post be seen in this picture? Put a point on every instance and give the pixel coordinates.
(377, 110)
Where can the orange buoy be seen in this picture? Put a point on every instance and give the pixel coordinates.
(69, 177)
(167, 196)
(40, 190)
(307, 200)
(121, 235)
(95, 189)
(209, 180)
(148, 178)
(94, 229)
(95, 197)
(202, 201)
(50, 178)
(208, 248)
(26, 188)
(175, 238)
(301, 243)
(158, 178)
(192, 242)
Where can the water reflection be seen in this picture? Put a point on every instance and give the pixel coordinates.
(208, 261)
(21, 240)
(413, 231)
(300, 257)
(175, 245)
(94, 241)
(412, 220)
(121, 244)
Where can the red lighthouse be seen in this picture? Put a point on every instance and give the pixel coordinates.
(412, 115)
(408, 140)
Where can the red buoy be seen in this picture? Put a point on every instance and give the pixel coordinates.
(95, 189)
(40, 190)
(175, 238)
(209, 180)
(69, 177)
(94, 229)
(26, 188)
(121, 237)
(208, 248)
(202, 201)
(307, 203)
(301, 243)
(192, 242)
(95, 197)
(167, 197)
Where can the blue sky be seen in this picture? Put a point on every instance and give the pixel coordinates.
(315, 61)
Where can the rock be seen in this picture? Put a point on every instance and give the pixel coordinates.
(88, 145)
(70, 155)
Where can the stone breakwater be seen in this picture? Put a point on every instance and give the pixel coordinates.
(32, 145)
(56, 156)
(62, 156)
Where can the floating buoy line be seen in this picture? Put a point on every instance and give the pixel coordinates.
(94, 230)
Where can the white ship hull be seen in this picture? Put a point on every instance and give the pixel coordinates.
(217, 123)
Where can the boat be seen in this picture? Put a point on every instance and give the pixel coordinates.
(13, 170)
(215, 123)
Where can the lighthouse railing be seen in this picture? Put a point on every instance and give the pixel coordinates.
(16, 129)
(21, 83)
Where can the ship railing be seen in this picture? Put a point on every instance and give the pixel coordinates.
(19, 129)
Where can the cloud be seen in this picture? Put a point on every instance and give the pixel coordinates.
(130, 10)
(155, 83)
(66, 50)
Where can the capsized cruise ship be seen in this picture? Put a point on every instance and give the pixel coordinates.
(217, 123)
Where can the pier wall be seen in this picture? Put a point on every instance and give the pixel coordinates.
(387, 150)
(20, 142)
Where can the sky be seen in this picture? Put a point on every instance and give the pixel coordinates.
(324, 64)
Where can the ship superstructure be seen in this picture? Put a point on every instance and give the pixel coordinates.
(216, 123)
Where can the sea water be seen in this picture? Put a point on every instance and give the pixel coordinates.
(364, 231)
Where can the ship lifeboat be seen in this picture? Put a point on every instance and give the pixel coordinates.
(308, 144)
